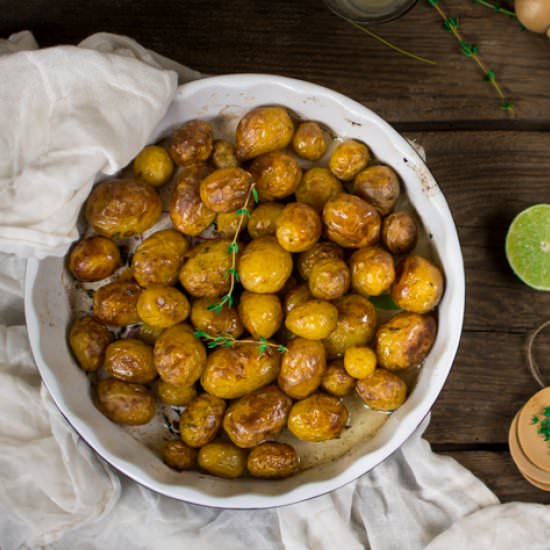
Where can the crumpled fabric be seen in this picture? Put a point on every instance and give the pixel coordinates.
(57, 494)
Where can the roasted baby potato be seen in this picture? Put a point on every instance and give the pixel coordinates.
(223, 155)
(179, 456)
(272, 460)
(88, 340)
(225, 322)
(178, 356)
(302, 367)
(309, 141)
(372, 271)
(263, 220)
(314, 319)
(222, 459)
(153, 165)
(234, 372)
(225, 189)
(318, 417)
(191, 142)
(158, 259)
(382, 390)
(264, 266)
(404, 340)
(257, 417)
(201, 420)
(204, 275)
(355, 325)
(379, 186)
(262, 130)
(187, 211)
(261, 314)
(296, 296)
(317, 186)
(277, 174)
(93, 259)
(130, 360)
(116, 303)
(351, 222)
(329, 279)
(399, 233)
(348, 159)
(162, 306)
(418, 285)
(227, 223)
(319, 251)
(175, 394)
(124, 402)
(298, 227)
(336, 380)
(359, 361)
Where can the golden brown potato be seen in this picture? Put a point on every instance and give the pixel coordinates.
(277, 174)
(123, 208)
(298, 227)
(179, 357)
(88, 340)
(222, 459)
(329, 279)
(382, 390)
(175, 394)
(261, 314)
(404, 340)
(379, 186)
(124, 402)
(264, 266)
(116, 303)
(227, 223)
(224, 155)
(318, 417)
(204, 275)
(309, 141)
(296, 296)
(201, 420)
(158, 259)
(153, 165)
(336, 380)
(319, 251)
(399, 233)
(354, 327)
(359, 361)
(162, 306)
(257, 417)
(302, 368)
(261, 130)
(317, 186)
(130, 360)
(351, 222)
(93, 259)
(272, 460)
(314, 319)
(226, 322)
(348, 159)
(179, 456)
(225, 189)
(372, 271)
(418, 285)
(187, 211)
(191, 142)
(263, 220)
(234, 372)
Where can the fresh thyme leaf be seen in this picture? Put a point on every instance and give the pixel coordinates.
(281, 348)
(534, 420)
(255, 195)
(546, 411)
(242, 211)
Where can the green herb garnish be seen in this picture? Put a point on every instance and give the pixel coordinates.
(228, 342)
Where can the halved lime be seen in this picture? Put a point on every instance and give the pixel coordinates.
(528, 246)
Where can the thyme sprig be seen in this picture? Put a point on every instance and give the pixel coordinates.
(499, 9)
(543, 425)
(229, 341)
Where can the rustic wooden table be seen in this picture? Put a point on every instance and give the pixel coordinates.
(490, 164)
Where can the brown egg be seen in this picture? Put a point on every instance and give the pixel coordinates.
(191, 143)
(277, 174)
(116, 303)
(93, 259)
(225, 189)
(329, 279)
(372, 271)
(348, 159)
(319, 251)
(382, 390)
(130, 360)
(309, 141)
(88, 340)
(298, 227)
(317, 186)
(399, 233)
(272, 460)
(379, 186)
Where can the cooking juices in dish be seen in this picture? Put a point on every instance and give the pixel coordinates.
(262, 308)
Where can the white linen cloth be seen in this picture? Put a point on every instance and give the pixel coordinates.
(56, 494)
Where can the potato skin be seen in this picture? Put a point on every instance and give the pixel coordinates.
(227, 223)
(223, 155)
(319, 251)
(122, 208)
(296, 296)
(418, 285)
(399, 233)
(222, 459)
(178, 455)
(302, 367)
(130, 360)
(277, 174)
(153, 165)
(309, 141)
(318, 417)
(162, 306)
(348, 159)
(261, 314)
(263, 220)
(382, 390)
(264, 266)
(314, 319)
(351, 222)
(329, 279)
(404, 340)
(360, 361)
(273, 460)
(201, 420)
(179, 357)
(261, 130)
(116, 303)
(257, 417)
(298, 227)
(159, 257)
(336, 380)
(379, 186)
(317, 186)
(88, 340)
(225, 189)
(234, 372)
(175, 394)
(125, 403)
(191, 142)
(372, 271)
(227, 321)
(93, 259)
